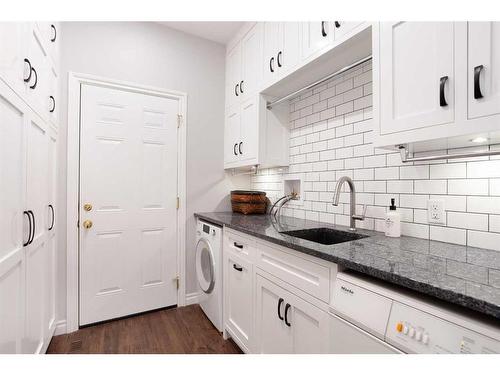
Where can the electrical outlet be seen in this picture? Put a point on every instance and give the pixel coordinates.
(436, 212)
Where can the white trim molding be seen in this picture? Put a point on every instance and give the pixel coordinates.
(192, 298)
(60, 328)
(75, 80)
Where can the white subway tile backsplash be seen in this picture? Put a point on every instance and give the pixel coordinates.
(331, 136)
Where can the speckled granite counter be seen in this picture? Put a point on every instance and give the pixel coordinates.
(466, 276)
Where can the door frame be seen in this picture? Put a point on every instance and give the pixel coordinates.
(75, 80)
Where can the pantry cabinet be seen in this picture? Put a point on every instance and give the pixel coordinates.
(435, 84)
(28, 154)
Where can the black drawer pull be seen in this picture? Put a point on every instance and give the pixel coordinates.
(477, 85)
(33, 86)
(287, 307)
(237, 268)
(442, 98)
(323, 31)
(234, 149)
(271, 64)
(238, 245)
(278, 59)
(32, 229)
(236, 89)
(239, 148)
(27, 79)
(280, 301)
(53, 217)
(29, 229)
(53, 39)
(53, 101)
(337, 24)
(241, 87)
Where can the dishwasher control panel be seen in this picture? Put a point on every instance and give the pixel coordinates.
(416, 331)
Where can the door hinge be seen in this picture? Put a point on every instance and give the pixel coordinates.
(179, 120)
(177, 281)
(178, 202)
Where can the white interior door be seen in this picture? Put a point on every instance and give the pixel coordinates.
(128, 174)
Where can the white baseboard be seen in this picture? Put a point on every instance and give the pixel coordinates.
(192, 298)
(60, 328)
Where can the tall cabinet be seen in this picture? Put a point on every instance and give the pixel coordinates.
(28, 170)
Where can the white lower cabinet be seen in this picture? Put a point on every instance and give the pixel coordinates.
(238, 299)
(287, 324)
(266, 311)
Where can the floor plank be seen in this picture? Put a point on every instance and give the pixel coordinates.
(183, 330)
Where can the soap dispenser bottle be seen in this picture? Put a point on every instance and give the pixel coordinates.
(392, 221)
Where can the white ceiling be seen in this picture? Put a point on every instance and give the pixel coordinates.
(220, 32)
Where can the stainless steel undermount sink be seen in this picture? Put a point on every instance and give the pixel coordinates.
(325, 236)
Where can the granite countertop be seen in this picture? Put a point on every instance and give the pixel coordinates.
(466, 276)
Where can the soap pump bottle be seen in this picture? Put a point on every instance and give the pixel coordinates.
(392, 221)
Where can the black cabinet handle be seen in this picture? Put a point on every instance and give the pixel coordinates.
(53, 108)
(32, 228)
(239, 148)
(287, 307)
(241, 87)
(26, 79)
(442, 98)
(323, 31)
(234, 149)
(36, 78)
(477, 86)
(29, 234)
(280, 301)
(53, 217)
(237, 268)
(278, 58)
(337, 24)
(238, 245)
(236, 89)
(53, 39)
(271, 64)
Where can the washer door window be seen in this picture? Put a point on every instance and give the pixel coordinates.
(205, 266)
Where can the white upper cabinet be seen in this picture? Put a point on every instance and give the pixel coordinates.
(416, 75)
(251, 56)
(316, 36)
(436, 85)
(13, 67)
(281, 49)
(233, 75)
(483, 75)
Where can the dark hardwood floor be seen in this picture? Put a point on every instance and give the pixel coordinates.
(183, 330)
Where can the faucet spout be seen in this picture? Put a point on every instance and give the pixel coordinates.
(336, 197)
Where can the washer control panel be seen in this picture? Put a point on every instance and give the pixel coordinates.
(416, 331)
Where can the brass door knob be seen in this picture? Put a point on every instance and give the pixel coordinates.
(87, 207)
(87, 224)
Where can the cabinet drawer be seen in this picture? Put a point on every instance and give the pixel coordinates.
(240, 245)
(311, 277)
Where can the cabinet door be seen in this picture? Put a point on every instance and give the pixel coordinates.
(248, 146)
(13, 69)
(233, 61)
(251, 56)
(271, 46)
(272, 335)
(483, 83)
(13, 223)
(316, 36)
(417, 77)
(232, 135)
(309, 327)
(290, 37)
(344, 27)
(238, 289)
(53, 95)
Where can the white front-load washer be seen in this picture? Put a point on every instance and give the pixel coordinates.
(209, 270)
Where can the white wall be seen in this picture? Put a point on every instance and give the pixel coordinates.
(152, 54)
(331, 136)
